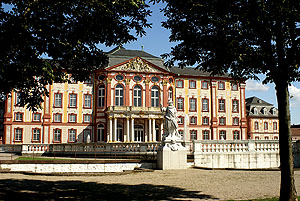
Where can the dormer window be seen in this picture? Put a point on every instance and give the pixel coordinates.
(273, 111)
(264, 110)
(254, 110)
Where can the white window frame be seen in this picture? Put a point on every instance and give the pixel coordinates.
(101, 96)
(222, 105)
(36, 134)
(72, 135)
(205, 105)
(154, 96)
(119, 95)
(205, 135)
(137, 96)
(56, 119)
(18, 134)
(58, 100)
(235, 105)
(193, 104)
(73, 100)
(193, 134)
(236, 135)
(72, 118)
(57, 135)
(180, 103)
(87, 101)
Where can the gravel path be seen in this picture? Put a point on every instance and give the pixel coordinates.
(191, 184)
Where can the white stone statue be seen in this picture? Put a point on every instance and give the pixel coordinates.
(171, 137)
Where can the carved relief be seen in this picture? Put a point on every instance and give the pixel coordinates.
(136, 65)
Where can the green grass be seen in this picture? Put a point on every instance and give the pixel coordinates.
(37, 158)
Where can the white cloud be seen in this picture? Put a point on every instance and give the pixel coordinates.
(252, 85)
(294, 96)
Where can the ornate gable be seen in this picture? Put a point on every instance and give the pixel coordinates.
(137, 64)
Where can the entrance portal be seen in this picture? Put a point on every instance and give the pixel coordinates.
(138, 133)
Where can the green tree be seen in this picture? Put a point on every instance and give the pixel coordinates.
(244, 38)
(66, 32)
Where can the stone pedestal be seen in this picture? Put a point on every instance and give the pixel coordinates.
(171, 156)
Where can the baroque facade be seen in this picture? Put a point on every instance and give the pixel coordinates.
(122, 103)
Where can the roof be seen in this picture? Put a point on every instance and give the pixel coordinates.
(120, 54)
(295, 131)
(257, 102)
(256, 107)
(192, 71)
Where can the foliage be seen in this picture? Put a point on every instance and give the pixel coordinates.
(65, 31)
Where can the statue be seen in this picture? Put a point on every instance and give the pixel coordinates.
(171, 137)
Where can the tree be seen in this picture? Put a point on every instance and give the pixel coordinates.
(243, 37)
(65, 31)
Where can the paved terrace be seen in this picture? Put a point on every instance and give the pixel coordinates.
(190, 184)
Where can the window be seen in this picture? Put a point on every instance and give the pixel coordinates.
(154, 79)
(256, 125)
(180, 120)
(154, 96)
(18, 116)
(275, 138)
(36, 117)
(86, 135)
(193, 134)
(57, 135)
(72, 135)
(137, 78)
(100, 133)
(235, 105)
(205, 105)
(193, 104)
(179, 83)
(274, 125)
(36, 133)
(72, 100)
(101, 77)
(119, 132)
(170, 93)
(204, 85)
(264, 110)
(266, 138)
(205, 120)
(236, 135)
(119, 77)
(255, 111)
(87, 101)
(205, 135)
(234, 87)
(137, 96)
(222, 135)
(18, 134)
(222, 121)
(266, 125)
(57, 118)
(235, 121)
(18, 98)
(221, 85)
(193, 120)
(87, 118)
(72, 118)
(221, 105)
(101, 96)
(119, 95)
(256, 138)
(58, 100)
(180, 103)
(192, 84)
(180, 132)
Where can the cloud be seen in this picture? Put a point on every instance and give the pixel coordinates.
(252, 85)
(294, 96)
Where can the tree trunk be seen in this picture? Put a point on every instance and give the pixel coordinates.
(287, 186)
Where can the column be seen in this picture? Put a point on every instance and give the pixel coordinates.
(110, 129)
(127, 91)
(153, 131)
(213, 109)
(161, 129)
(108, 92)
(165, 93)
(127, 128)
(149, 131)
(132, 130)
(147, 94)
(115, 129)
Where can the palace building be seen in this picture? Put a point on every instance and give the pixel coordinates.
(122, 103)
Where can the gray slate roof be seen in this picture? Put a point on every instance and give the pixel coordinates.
(254, 103)
(191, 71)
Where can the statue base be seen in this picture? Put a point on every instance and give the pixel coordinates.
(171, 155)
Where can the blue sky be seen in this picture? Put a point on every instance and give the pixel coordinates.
(156, 42)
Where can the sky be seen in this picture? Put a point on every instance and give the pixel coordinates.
(156, 42)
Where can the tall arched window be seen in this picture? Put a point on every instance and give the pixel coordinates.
(137, 96)
(100, 132)
(119, 95)
(154, 96)
(101, 96)
(170, 93)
